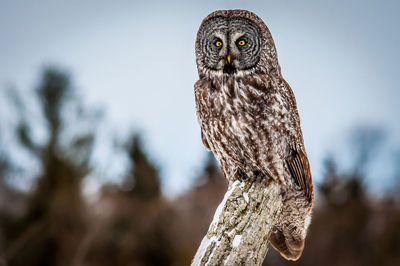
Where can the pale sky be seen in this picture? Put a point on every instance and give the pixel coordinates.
(136, 60)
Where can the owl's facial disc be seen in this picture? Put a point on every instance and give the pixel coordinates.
(230, 45)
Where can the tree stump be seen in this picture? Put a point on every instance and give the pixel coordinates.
(239, 233)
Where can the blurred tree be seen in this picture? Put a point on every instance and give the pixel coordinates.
(50, 230)
(4, 167)
(134, 228)
(143, 181)
(12, 201)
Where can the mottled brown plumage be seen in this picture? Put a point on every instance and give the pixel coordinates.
(249, 119)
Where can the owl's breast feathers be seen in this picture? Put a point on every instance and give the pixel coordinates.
(252, 125)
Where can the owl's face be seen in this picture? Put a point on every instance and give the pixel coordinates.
(229, 44)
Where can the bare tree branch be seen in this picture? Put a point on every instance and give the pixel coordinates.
(242, 224)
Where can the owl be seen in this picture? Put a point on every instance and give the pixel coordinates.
(249, 119)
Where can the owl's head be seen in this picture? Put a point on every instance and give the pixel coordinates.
(235, 42)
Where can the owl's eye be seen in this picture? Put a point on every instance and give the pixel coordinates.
(218, 43)
(241, 43)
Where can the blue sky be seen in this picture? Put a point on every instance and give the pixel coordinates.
(136, 60)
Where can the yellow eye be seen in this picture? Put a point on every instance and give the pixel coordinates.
(241, 43)
(218, 43)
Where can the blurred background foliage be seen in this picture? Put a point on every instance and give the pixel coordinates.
(133, 223)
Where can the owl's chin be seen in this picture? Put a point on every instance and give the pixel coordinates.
(229, 69)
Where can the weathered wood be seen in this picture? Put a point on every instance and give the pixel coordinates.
(242, 224)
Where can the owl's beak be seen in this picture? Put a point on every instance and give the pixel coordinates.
(229, 68)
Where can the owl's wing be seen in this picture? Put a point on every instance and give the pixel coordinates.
(299, 168)
(205, 143)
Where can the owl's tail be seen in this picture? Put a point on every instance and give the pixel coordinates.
(289, 245)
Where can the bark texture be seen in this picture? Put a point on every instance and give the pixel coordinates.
(242, 224)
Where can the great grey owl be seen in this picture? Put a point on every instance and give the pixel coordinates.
(249, 119)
